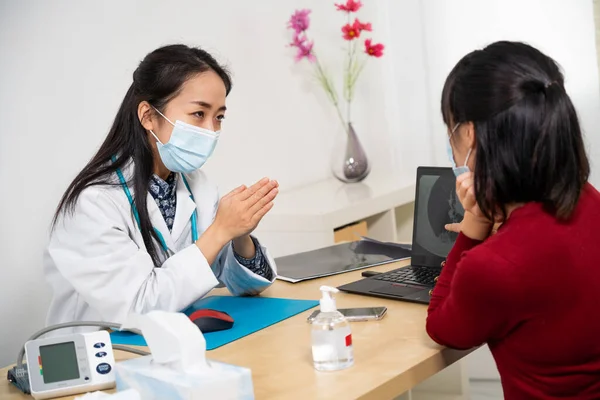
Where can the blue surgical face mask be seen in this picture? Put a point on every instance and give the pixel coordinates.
(457, 170)
(188, 148)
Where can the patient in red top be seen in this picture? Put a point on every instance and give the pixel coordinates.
(531, 290)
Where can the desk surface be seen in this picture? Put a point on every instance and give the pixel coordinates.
(391, 356)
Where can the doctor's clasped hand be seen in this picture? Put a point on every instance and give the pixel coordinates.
(238, 214)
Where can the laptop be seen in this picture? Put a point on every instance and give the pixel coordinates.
(436, 205)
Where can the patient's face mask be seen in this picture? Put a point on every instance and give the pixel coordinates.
(457, 170)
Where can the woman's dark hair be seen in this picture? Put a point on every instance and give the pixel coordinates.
(159, 77)
(528, 140)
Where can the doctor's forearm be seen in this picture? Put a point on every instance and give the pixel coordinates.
(211, 242)
(244, 246)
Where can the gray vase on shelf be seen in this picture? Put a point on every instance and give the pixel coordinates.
(354, 165)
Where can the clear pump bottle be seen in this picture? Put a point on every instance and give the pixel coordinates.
(331, 336)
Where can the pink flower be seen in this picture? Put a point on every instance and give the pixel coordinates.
(305, 51)
(299, 21)
(350, 32)
(361, 26)
(374, 50)
(353, 31)
(350, 6)
(298, 40)
(304, 47)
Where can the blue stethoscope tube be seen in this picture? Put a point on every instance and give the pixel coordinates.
(161, 239)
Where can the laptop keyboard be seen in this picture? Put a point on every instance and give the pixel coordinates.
(411, 275)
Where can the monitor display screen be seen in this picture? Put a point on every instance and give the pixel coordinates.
(59, 362)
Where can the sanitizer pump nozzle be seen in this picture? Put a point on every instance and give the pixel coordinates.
(331, 335)
(327, 301)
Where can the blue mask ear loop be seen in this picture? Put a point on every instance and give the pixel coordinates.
(194, 214)
(161, 239)
(452, 134)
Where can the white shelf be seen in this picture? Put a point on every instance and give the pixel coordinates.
(305, 218)
(329, 204)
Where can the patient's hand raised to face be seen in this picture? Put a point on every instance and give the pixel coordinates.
(465, 190)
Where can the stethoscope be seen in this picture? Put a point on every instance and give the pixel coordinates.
(161, 239)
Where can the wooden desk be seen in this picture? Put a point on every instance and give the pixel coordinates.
(392, 356)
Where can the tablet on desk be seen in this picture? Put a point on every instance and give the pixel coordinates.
(338, 259)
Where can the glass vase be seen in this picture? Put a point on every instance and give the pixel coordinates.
(349, 159)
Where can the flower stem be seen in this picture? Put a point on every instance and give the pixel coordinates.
(330, 90)
(351, 78)
(358, 72)
(347, 87)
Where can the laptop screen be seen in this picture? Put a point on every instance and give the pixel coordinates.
(436, 205)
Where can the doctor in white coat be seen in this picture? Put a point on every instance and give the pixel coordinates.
(141, 228)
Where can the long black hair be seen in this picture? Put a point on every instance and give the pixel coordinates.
(528, 140)
(159, 77)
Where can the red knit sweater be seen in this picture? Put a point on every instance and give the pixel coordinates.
(532, 292)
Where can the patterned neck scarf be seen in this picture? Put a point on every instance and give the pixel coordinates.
(165, 196)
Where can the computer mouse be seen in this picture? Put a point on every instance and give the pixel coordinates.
(211, 320)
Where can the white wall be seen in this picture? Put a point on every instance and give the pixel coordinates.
(407, 93)
(562, 29)
(66, 66)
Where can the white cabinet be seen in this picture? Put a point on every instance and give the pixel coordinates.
(481, 365)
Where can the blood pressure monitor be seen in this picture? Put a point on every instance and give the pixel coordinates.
(70, 364)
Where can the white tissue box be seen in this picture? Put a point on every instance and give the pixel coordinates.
(154, 381)
(130, 394)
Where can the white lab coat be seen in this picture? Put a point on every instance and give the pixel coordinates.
(99, 269)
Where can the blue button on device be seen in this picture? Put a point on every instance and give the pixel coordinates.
(103, 368)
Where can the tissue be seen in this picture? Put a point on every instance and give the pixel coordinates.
(174, 341)
(130, 394)
(178, 368)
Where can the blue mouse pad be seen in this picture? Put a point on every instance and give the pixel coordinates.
(250, 314)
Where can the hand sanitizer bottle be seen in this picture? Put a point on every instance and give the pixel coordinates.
(331, 336)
